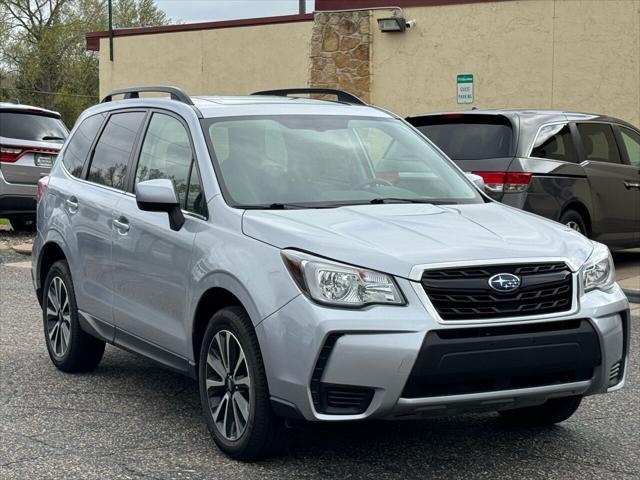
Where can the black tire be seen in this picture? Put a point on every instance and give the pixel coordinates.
(23, 224)
(83, 352)
(263, 434)
(553, 411)
(574, 220)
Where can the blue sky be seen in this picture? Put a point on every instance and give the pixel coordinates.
(191, 11)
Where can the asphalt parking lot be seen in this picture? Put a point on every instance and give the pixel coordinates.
(133, 419)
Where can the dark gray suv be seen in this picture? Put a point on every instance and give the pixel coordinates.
(580, 169)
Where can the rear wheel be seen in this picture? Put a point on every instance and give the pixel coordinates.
(574, 221)
(553, 411)
(23, 224)
(70, 348)
(233, 389)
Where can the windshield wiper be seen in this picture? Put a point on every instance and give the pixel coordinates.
(282, 206)
(52, 137)
(383, 200)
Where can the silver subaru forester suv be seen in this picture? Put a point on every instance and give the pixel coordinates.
(315, 260)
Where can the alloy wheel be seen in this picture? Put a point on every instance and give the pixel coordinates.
(228, 385)
(574, 226)
(58, 317)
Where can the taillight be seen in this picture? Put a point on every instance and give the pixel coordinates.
(42, 188)
(9, 154)
(507, 182)
(12, 153)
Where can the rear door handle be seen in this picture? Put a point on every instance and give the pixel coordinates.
(72, 204)
(122, 225)
(630, 185)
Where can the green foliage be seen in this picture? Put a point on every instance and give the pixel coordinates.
(43, 56)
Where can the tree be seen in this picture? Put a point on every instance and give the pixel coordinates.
(43, 58)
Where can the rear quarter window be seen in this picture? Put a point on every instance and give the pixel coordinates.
(470, 137)
(77, 150)
(29, 126)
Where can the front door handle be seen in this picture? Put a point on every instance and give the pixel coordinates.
(72, 204)
(122, 225)
(630, 185)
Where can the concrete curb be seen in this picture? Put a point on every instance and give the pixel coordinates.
(23, 248)
(632, 294)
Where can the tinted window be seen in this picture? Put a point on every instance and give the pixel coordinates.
(27, 126)
(598, 142)
(469, 138)
(111, 156)
(195, 201)
(631, 141)
(555, 142)
(78, 147)
(166, 153)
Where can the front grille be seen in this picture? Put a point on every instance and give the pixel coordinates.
(465, 294)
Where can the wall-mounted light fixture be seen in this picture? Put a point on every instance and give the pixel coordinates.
(392, 24)
(396, 23)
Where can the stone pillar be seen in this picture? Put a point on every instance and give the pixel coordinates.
(341, 52)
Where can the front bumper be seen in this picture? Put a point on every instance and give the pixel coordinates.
(376, 349)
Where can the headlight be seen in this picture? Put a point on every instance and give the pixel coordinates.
(341, 285)
(598, 271)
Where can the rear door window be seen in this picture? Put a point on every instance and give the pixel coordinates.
(111, 156)
(29, 126)
(77, 150)
(469, 137)
(631, 141)
(555, 143)
(598, 142)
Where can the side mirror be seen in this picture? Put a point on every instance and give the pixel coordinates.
(160, 196)
(477, 180)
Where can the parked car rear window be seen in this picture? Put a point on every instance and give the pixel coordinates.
(111, 156)
(555, 143)
(467, 138)
(29, 126)
(77, 149)
(598, 142)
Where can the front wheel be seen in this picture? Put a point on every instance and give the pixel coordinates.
(233, 389)
(553, 411)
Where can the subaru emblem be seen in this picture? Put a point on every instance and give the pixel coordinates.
(504, 282)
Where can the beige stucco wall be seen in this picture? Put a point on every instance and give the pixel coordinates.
(219, 61)
(561, 54)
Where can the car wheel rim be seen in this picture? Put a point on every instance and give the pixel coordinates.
(574, 226)
(228, 385)
(58, 317)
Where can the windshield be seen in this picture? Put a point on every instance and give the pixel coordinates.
(307, 160)
(28, 126)
(471, 137)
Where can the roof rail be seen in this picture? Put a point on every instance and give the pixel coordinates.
(343, 96)
(134, 92)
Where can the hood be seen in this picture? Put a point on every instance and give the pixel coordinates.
(394, 238)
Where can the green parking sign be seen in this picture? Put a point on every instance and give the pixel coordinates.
(464, 85)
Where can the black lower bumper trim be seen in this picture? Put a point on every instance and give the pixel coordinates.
(462, 361)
